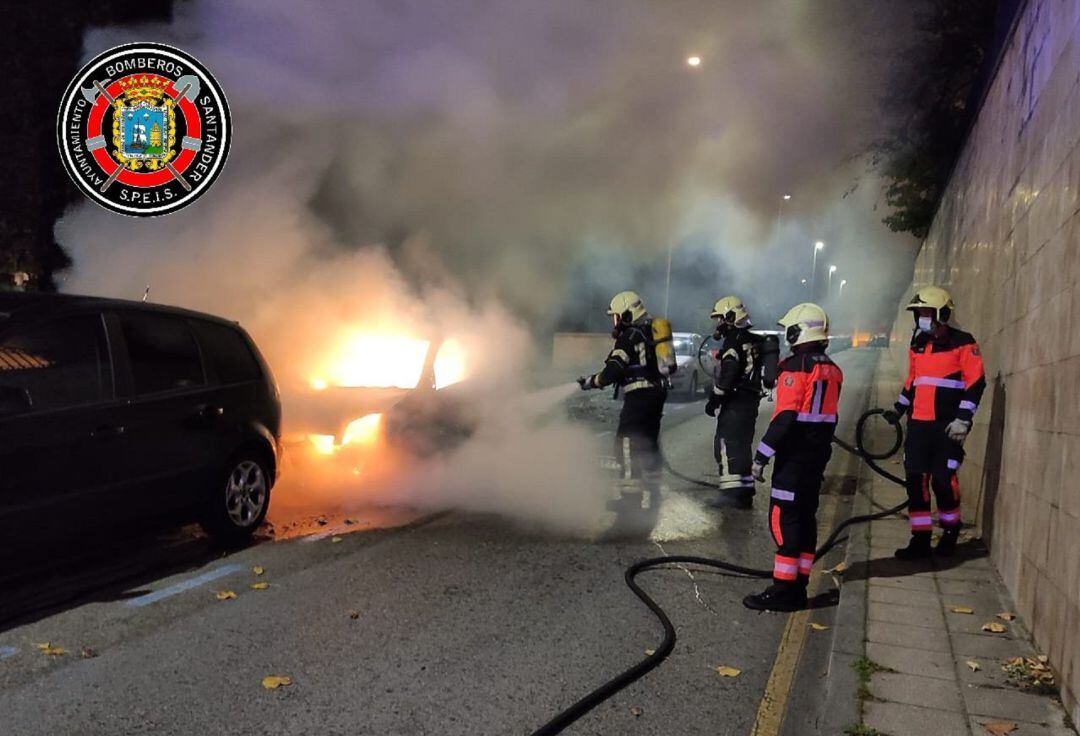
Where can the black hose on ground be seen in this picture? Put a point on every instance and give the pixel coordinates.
(564, 719)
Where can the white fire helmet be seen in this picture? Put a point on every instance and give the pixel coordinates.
(732, 310)
(806, 322)
(627, 302)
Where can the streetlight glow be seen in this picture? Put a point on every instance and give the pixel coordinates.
(841, 291)
(787, 197)
(819, 245)
(693, 60)
(832, 270)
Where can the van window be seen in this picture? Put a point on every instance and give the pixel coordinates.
(162, 351)
(53, 365)
(228, 352)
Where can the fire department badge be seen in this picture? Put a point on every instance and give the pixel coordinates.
(789, 381)
(144, 129)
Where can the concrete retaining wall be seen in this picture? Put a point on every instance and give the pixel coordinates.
(1006, 243)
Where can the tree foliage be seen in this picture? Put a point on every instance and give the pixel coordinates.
(933, 98)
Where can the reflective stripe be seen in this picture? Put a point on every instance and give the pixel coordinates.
(953, 464)
(949, 517)
(903, 400)
(774, 525)
(969, 405)
(939, 382)
(921, 521)
(620, 354)
(817, 418)
(785, 568)
(806, 563)
(782, 495)
(765, 450)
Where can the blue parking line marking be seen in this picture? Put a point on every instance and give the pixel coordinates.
(195, 582)
(6, 652)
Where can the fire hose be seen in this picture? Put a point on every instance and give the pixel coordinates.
(571, 714)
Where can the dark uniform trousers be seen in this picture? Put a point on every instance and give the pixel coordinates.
(733, 445)
(637, 439)
(796, 488)
(931, 462)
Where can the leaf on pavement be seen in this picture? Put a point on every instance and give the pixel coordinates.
(650, 652)
(973, 665)
(1000, 728)
(335, 540)
(272, 682)
(963, 609)
(1043, 658)
(225, 595)
(994, 627)
(50, 651)
(258, 570)
(87, 653)
(354, 615)
(725, 671)
(260, 586)
(636, 711)
(818, 627)
(1006, 616)
(838, 569)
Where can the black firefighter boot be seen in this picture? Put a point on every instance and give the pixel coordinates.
(918, 548)
(946, 546)
(780, 599)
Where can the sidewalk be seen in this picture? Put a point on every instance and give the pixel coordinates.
(913, 634)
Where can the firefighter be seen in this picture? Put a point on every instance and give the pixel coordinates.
(944, 384)
(638, 365)
(799, 437)
(736, 393)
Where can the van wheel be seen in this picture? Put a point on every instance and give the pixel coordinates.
(240, 500)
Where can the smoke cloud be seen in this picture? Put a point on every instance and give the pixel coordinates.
(490, 169)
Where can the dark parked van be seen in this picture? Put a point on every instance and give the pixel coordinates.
(124, 414)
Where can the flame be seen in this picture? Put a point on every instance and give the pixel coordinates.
(362, 431)
(323, 443)
(375, 361)
(449, 364)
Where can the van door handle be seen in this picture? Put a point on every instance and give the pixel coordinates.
(209, 412)
(107, 431)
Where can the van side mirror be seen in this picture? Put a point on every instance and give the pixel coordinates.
(14, 400)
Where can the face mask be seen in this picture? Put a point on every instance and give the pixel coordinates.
(926, 324)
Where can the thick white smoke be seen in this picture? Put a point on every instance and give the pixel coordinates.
(441, 166)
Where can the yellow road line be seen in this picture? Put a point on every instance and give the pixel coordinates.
(770, 715)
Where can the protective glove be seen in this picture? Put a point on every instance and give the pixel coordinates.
(891, 416)
(585, 383)
(757, 471)
(958, 430)
(712, 405)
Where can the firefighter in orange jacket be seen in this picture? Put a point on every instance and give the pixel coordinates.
(800, 438)
(944, 385)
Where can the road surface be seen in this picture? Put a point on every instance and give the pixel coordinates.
(455, 624)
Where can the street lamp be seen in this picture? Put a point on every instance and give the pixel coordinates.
(813, 272)
(828, 288)
(693, 61)
(841, 292)
(787, 197)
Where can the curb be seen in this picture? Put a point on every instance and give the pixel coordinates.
(842, 708)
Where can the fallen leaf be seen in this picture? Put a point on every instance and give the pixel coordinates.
(650, 652)
(636, 711)
(1000, 728)
(272, 682)
(50, 651)
(260, 586)
(994, 627)
(225, 595)
(1016, 662)
(335, 540)
(962, 609)
(257, 570)
(87, 653)
(839, 568)
(975, 666)
(354, 615)
(818, 627)
(725, 671)
(1006, 616)
(1043, 658)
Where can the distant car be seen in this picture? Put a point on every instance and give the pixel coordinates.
(124, 414)
(880, 340)
(693, 375)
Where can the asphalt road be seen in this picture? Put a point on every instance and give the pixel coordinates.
(464, 624)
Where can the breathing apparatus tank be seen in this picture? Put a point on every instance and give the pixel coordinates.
(664, 346)
(770, 361)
